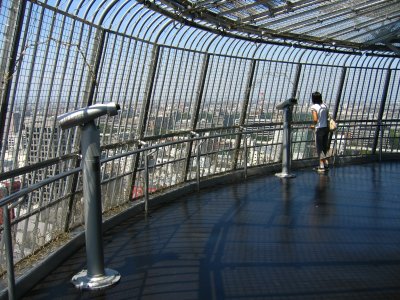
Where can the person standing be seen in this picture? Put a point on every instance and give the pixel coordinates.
(320, 113)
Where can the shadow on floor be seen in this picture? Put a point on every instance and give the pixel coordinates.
(330, 236)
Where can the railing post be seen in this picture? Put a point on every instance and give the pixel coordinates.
(249, 87)
(198, 165)
(381, 111)
(245, 154)
(9, 252)
(244, 133)
(198, 144)
(195, 117)
(146, 182)
(146, 179)
(145, 109)
(382, 129)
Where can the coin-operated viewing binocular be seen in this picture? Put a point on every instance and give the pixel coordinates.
(87, 114)
(287, 103)
(286, 107)
(96, 276)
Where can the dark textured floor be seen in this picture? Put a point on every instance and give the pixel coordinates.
(334, 236)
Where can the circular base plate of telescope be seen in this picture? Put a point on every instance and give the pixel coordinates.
(84, 282)
(285, 175)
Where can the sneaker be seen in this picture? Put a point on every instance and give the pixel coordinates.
(319, 169)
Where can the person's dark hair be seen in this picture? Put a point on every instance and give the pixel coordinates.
(316, 98)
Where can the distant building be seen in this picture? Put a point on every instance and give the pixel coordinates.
(44, 140)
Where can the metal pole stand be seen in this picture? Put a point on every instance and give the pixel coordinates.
(96, 276)
(286, 106)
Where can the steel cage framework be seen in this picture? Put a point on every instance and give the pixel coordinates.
(194, 104)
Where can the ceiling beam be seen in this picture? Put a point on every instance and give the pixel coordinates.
(283, 9)
(393, 48)
(342, 12)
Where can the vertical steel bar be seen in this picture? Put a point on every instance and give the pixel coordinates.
(198, 165)
(381, 110)
(335, 111)
(195, 117)
(128, 64)
(61, 141)
(286, 153)
(74, 185)
(382, 128)
(161, 87)
(296, 81)
(213, 88)
(109, 87)
(146, 183)
(245, 154)
(340, 92)
(146, 106)
(9, 252)
(25, 111)
(243, 114)
(149, 91)
(109, 93)
(139, 74)
(15, 86)
(6, 84)
(96, 60)
(90, 86)
(43, 135)
(39, 113)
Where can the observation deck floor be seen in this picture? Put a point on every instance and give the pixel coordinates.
(330, 236)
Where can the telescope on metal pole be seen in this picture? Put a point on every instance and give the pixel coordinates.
(96, 276)
(286, 106)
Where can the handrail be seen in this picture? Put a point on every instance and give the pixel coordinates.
(49, 162)
(24, 191)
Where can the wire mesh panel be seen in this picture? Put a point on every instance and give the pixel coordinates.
(8, 20)
(390, 129)
(313, 78)
(166, 166)
(39, 218)
(317, 78)
(116, 178)
(361, 100)
(175, 93)
(273, 83)
(362, 94)
(122, 78)
(224, 92)
(50, 79)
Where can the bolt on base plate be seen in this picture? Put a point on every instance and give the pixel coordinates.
(84, 282)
